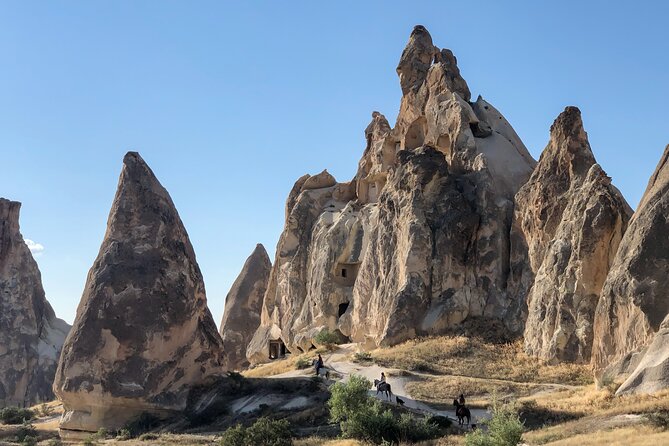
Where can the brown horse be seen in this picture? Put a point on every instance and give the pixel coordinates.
(384, 388)
(461, 412)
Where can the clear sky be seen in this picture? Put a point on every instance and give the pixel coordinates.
(230, 102)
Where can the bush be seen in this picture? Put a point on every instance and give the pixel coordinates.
(264, 432)
(364, 418)
(29, 441)
(302, 363)
(26, 432)
(329, 338)
(101, 434)
(15, 415)
(123, 434)
(504, 428)
(362, 357)
(90, 441)
(45, 410)
(54, 442)
(148, 437)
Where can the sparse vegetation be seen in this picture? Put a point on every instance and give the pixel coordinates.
(16, 415)
(504, 428)
(302, 363)
(148, 437)
(659, 419)
(365, 418)
(264, 432)
(54, 442)
(143, 423)
(329, 339)
(362, 357)
(474, 357)
(27, 434)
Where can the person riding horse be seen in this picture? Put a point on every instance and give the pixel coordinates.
(319, 363)
(461, 412)
(383, 387)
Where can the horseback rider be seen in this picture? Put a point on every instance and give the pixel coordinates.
(383, 378)
(319, 363)
(461, 399)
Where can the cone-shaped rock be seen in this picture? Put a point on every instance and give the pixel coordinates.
(31, 336)
(143, 333)
(242, 308)
(632, 314)
(569, 220)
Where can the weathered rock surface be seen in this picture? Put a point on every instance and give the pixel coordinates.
(143, 334)
(243, 304)
(418, 241)
(31, 336)
(569, 220)
(632, 312)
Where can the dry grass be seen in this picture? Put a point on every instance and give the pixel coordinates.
(464, 356)
(640, 435)
(169, 439)
(317, 441)
(441, 391)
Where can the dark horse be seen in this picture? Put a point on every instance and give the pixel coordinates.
(384, 388)
(461, 412)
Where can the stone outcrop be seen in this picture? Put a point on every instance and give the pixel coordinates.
(243, 304)
(143, 334)
(31, 336)
(418, 241)
(632, 315)
(569, 220)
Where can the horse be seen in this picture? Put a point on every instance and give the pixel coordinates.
(461, 412)
(384, 388)
(321, 371)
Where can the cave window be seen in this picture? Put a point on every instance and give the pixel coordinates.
(343, 272)
(277, 349)
(342, 308)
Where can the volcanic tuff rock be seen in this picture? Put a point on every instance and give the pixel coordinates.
(242, 308)
(568, 222)
(143, 334)
(31, 336)
(418, 241)
(632, 316)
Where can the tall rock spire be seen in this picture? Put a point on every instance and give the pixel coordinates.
(569, 220)
(243, 305)
(143, 333)
(31, 336)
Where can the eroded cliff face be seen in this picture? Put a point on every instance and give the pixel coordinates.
(418, 241)
(631, 321)
(143, 334)
(241, 317)
(569, 220)
(31, 336)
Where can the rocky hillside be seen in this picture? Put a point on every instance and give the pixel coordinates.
(418, 241)
(143, 335)
(31, 336)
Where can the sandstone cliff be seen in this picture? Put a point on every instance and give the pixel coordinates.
(632, 316)
(243, 304)
(418, 241)
(568, 222)
(31, 336)
(143, 333)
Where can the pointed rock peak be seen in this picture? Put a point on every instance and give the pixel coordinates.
(659, 181)
(260, 252)
(416, 59)
(9, 218)
(569, 144)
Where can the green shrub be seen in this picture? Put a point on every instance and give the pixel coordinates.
(148, 437)
(101, 434)
(362, 357)
(90, 441)
(54, 442)
(504, 428)
(302, 363)
(26, 431)
(15, 415)
(123, 434)
(329, 338)
(29, 441)
(364, 418)
(264, 432)
(45, 410)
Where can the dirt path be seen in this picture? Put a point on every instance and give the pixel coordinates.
(339, 363)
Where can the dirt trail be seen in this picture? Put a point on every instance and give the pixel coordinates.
(340, 363)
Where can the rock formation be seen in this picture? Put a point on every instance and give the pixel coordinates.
(569, 220)
(143, 333)
(31, 336)
(632, 316)
(418, 241)
(242, 308)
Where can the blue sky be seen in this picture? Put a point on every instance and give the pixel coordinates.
(230, 102)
